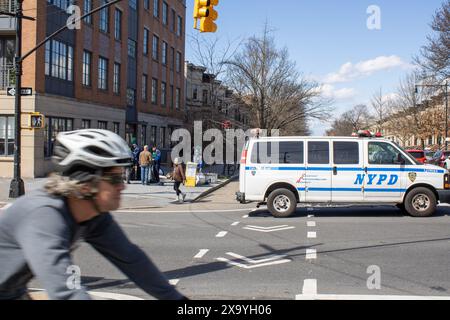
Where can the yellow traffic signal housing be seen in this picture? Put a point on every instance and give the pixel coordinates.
(204, 10)
(36, 120)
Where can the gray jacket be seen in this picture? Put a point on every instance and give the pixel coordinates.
(37, 234)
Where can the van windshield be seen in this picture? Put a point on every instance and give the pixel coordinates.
(410, 157)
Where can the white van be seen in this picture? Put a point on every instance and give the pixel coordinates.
(284, 171)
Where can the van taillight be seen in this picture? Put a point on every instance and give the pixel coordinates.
(244, 156)
(446, 181)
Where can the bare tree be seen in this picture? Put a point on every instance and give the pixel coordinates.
(211, 53)
(274, 90)
(340, 127)
(435, 55)
(382, 109)
(358, 118)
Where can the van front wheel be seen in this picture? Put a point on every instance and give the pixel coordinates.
(281, 203)
(420, 202)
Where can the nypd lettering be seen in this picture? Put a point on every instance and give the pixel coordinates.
(376, 179)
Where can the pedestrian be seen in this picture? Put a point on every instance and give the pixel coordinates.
(179, 177)
(156, 154)
(145, 159)
(39, 230)
(136, 152)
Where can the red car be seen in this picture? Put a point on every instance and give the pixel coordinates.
(419, 155)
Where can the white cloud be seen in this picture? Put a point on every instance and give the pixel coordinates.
(330, 91)
(350, 71)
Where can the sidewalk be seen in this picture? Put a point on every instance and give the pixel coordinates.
(135, 196)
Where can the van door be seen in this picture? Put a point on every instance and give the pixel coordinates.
(348, 171)
(318, 171)
(385, 172)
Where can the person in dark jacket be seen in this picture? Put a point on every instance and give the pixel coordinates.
(156, 154)
(179, 177)
(39, 230)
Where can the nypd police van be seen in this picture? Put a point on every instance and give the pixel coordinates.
(363, 170)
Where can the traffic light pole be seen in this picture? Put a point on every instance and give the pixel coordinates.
(17, 188)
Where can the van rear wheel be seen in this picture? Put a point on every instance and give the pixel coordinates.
(281, 203)
(420, 202)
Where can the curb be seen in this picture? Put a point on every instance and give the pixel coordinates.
(207, 192)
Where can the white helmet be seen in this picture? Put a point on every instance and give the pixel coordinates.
(92, 148)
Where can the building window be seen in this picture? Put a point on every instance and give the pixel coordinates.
(162, 137)
(102, 73)
(163, 94)
(174, 21)
(146, 37)
(131, 97)
(164, 53)
(116, 80)
(133, 4)
(155, 47)
(104, 18)
(59, 60)
(172, 58)
(7, 131)
(195, 94)
(143, 135)
(131, 48)
(179, 26)
(87, 7)
(177, 98)
(153, 136)
(165, 13)
(154, 91)
(85, 124)
(116, 127)
(118, 24)
(178, 62)
(62, 4)
(147, 4)
(87, 68)
(172, 96)
(53, 126)
(144, 88)
(103, 125)
(156, 8)
(205, 97)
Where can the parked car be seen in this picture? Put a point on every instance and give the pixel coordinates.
(439, 158)
(419, 155)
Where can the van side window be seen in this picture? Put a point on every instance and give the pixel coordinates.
(385, 153)
(346, 152)
(283, 152)
(318, 152)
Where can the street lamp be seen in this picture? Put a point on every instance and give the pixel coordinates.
(445, 86)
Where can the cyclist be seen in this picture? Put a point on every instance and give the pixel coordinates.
(39, 230)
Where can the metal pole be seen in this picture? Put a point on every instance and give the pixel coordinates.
(17, 188)
(446, 115)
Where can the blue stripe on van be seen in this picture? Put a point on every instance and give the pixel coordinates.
(348, 169)
(350, 190)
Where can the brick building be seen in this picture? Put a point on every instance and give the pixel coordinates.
(122, 70)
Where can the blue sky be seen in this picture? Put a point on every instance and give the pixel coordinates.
(330, 41)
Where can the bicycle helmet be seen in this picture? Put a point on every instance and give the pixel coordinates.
(89, 151)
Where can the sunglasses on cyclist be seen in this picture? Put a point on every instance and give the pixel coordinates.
(114, 179)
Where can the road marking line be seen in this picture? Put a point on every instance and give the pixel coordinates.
(268, 230)
(240, 265)
(235, 223)
(309, 287)
(186, 211)
(365, 297)
(235, 255)
(201, 254)
(311, 216)
(221, 234)
(113, 296)
(311, 254)
(311, 223)
(174, 282)
(245, 217)
(312, 235)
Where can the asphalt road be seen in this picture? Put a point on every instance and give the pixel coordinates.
(247, 254)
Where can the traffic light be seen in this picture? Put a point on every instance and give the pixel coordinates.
(204, 10)
(36, 121)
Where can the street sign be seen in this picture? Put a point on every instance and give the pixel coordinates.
(11, 91)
